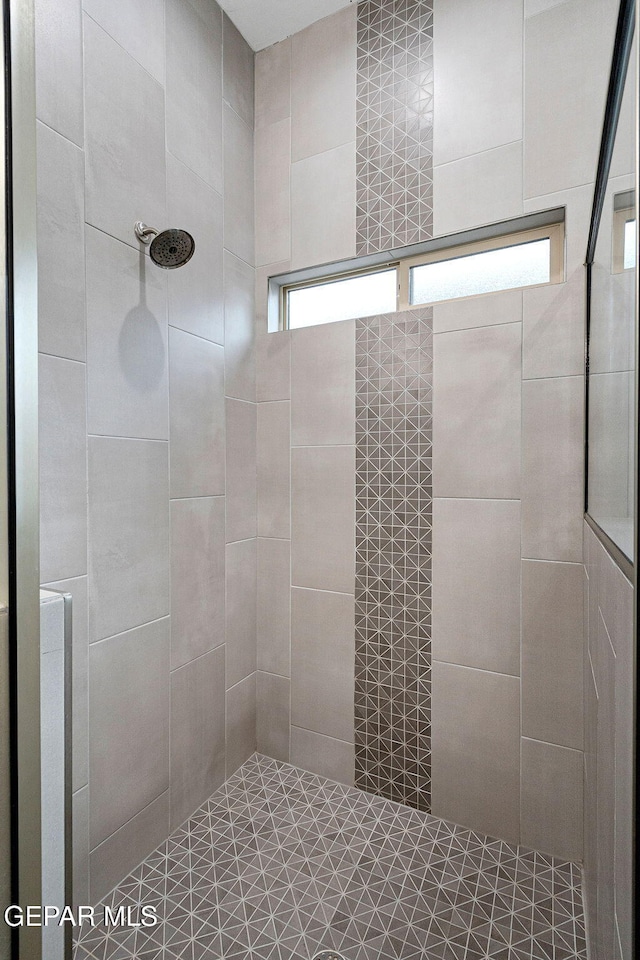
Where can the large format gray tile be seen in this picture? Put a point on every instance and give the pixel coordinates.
(554, 329)
(241, 723)
(128, 534)
(127, 362)
(551, 799)
(194, 88)
(552, 468)
(605, 801)
(60, 228)
(197, 577)
(273, 192)
(273, 364)
(197, 733)
(476, 749)
(63, 468)
(476, 583)
(273, 83)
(125, 849)
(80, 841)
(124, 139)
(552, 652)
(239, 328)
(476, 412)
(478, 78)
(273, 716)
(241, 470)
(196, 289)
(274, 469)
(323, 182)
(609, 443)
(238, 186)
(482, 311)
(58, 51)
(197, 416)
(137, 25)
(323, 518)
(323, 85)
(129, 725)
(323, 755)
(274, 607)
(241, 573)
(323, 662)
(323, 384)
(619, 594)
(237, 79)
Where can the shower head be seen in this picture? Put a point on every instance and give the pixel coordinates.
(169, 249)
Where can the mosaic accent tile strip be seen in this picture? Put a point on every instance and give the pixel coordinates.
(394, 361)
(280, 864)
(394, 124)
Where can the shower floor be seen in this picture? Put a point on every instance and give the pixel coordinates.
(280, 864)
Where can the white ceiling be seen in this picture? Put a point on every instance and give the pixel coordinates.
(263, 22)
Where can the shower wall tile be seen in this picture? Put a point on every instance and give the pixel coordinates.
(323, 85)
(322, 662)
(487, 310)
(127, 341)
(324, 182)
(241, 723)
(273, 189)
(476, 385)
(241, 566)
(476, 745)
(274, 607)
(63, 468)
(58, 51)
(238, 186)
(551, 800)
(605, 796)
(197, 577)
(137, 25)
(80, 844)
(60, 229)
(323, 518)
(476, 584)
(129, 725)
(239, 328)
(194, 88)
(323, 387)
(323, 755)
(238, 75)
(273, 716)
(124, 139)
(197, 424)
(197, 733)
(577, 202)
(552, 468)
(609, 435)
(273, 364)
(478, 81)
(274, 469)
(553, 333)
(125, 849)
(476, 190)
(273, 84)
(128, 534)
(568, 53)
(241, 470)
(552, 652)
(196, 289)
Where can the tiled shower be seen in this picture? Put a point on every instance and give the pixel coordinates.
(356, 550)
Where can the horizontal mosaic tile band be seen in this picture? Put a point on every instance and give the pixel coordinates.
(394, 361)
(394, 124)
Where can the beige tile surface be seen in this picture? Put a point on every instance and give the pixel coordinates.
(323, 384)
(241, 470)
(273, 83)
(239, 328)
(241, 723)
(552, 652)
(238, 186)
(322, 521)
(551, 799)
(323, 755)
(483, 188)
(476, 419)
(273, 716)
(476, 583)
(476, 746)
(238, 79)
(273, 192)
(322, 662)
(58, 50)
(486, 310)
(274, 607)
(274, 469)
(240, 610)
(325, 181)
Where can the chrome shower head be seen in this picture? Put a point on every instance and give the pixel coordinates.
(169, 249)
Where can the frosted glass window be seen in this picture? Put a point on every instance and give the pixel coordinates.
(630, 243)
(360, 296)
(521, 265)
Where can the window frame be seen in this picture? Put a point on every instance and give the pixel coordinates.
(621, 217)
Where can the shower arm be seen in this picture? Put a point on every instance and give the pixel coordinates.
(144, 233)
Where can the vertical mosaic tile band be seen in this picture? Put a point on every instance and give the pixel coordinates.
(394, 363)
(394, 117)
